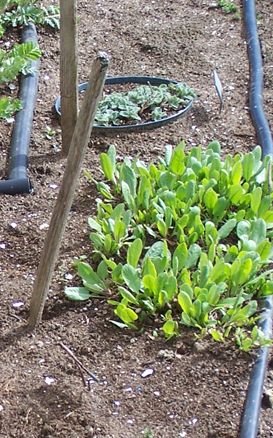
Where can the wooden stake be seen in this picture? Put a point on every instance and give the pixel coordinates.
(68, 71)
(71, 177)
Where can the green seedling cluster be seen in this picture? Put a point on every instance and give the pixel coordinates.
(13, 62)
(186, 242)
(14, 13)
(22, 12)
(143, 103)
(228, 6)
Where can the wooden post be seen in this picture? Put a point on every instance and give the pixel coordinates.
(68, 71)
(71, 177)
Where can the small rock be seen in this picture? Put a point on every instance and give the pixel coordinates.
(148, 372)
(49, 380)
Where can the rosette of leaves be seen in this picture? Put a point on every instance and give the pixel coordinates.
(143, 103)
(187, 241)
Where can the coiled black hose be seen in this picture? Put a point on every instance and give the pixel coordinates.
(251, 413)
(18, 181)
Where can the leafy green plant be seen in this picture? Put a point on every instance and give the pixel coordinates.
(228, 6)
(22, 12)
(187, 241)
(13, 62)
(143, 103)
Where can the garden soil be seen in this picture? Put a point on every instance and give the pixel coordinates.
(146, 387)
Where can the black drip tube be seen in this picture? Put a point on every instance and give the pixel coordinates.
(251, 413)
(18, 181)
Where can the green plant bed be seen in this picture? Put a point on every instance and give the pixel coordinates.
(186, 241)
(138, 103)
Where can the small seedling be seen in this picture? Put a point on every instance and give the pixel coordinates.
(228, 6)
(49, 133)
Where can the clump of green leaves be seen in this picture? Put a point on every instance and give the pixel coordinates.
(143, 103)
(187, 241)
(22, 12)
(12, 62)
(228, 6)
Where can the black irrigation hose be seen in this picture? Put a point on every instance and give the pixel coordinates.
(18, 181)
(259, 119)
(250, 418)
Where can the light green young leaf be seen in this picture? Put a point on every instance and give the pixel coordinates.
(184, 302)
(90, 278)
(128, 295)
(134, 252)
(126, 314)
(177, 164)
(131, 278)
(77, 293)
(107, 167)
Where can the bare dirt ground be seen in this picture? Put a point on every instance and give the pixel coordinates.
(192, 392)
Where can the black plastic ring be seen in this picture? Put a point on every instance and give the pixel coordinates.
(143, 80)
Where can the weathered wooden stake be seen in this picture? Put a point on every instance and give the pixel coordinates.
(71, 176)
(68, 71)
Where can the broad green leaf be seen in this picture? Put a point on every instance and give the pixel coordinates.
(167, 179)
(193, 255)
(94, 225)
(218, 272)
(162, 227)
(119, 230)
(77, 293)
(220, 208)
(214, 146)
(129, 177)
(184, 302)
(243, 229)
(157, 251)
(129, 199)
(170, 328)
(256, 197)
(128, 295)
(90, 278)
(177, 164)
(107, 167)
(102, 270)
(149, 267)
(267, 288)
(217, 335)
(258, 230)
(226, 229)
(131, 278)
(149, 282)
(181, 254)
(213, 295)
(264, 249)
(235, 194)
(240, 271)
(168, 154)
(236, 173)
(248, 166)
(134, 252)
(210, 199)
(126, 314)
(97, 240)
